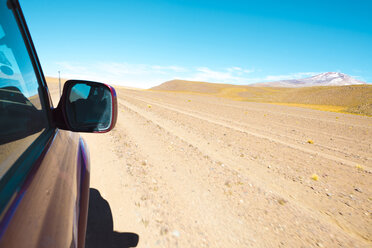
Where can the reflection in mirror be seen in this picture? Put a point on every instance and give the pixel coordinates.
(89, 107)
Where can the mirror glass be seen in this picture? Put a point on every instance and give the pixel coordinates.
(89, 107)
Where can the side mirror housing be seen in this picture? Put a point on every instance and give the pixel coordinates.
(87, 106)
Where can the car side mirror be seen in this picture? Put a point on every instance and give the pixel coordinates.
(87, 107)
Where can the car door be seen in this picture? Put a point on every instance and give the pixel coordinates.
(44, 171)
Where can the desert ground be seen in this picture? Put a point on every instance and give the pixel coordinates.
(188, 170)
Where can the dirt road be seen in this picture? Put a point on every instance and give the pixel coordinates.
(196, 171)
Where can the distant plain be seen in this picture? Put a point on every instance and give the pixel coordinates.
(355, 99)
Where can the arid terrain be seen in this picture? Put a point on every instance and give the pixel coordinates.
(356, 99)
(191, 170)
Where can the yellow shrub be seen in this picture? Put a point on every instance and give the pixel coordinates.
(359, 167)
(315, 177)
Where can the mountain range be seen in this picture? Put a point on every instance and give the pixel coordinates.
(323, 79)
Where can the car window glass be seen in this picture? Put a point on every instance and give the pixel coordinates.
(22, 114)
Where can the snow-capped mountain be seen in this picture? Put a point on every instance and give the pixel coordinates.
(323, 79)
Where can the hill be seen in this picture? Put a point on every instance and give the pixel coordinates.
(191, 86)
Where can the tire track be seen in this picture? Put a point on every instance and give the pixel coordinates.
(262, 184)
(278, 113)
(274, 123)
(262, 136)
(285, 136)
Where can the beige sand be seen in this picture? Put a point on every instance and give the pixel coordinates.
(197, 171)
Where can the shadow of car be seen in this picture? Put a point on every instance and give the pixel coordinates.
(100, 231)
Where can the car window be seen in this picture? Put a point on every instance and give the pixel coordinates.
(22, 114)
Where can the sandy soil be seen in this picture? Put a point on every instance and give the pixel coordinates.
(197, 171)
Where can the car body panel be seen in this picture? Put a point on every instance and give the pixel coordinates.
(47, 213)
(83, 164)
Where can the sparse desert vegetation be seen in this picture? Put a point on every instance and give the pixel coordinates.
(355, 99)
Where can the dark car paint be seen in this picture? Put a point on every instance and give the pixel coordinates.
(48, 209)
(47, 197)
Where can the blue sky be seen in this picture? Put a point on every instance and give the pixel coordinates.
(144, 43)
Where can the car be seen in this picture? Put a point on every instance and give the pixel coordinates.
(44, 163)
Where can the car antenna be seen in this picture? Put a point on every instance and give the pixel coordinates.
(59, 81)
